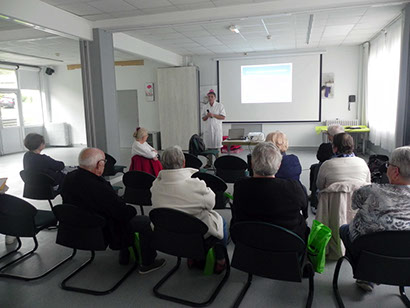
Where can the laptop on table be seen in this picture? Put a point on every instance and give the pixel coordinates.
(236, 134)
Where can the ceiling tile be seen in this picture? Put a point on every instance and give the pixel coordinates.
(128, 13)
(337, 30)
(195, 6)
(80, 9)
(159, 10)
(149, 4)
(97, 17)
(109, 6)
(230, 2)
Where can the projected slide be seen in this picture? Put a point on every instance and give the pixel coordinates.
(271, 83)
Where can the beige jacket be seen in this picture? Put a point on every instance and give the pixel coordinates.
(334, 210)
(176, 189)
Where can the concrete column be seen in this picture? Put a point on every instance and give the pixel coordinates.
(100, 92)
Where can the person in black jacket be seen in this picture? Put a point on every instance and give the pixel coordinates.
(34, 161)
(268, 199)
(86, 188)
(324, 153)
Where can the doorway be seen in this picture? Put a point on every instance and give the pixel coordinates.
(11, 140)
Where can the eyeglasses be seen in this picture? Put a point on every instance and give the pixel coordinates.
(104, 160)
(390, 164)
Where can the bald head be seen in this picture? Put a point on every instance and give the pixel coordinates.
(93, 160)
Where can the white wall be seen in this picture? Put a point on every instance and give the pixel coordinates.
(66, 96)
(342, 61)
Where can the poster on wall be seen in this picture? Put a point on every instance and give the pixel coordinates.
(149, 92)
(328, 85)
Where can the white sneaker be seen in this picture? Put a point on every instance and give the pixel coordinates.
(10, 239)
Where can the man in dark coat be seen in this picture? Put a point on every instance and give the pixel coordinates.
(86, 188)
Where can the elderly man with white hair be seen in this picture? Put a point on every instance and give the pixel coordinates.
(86, 188)
(174, 188)
(381, 207)
(266, 198)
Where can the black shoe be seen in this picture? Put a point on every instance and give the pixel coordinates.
(124, 257)
(145, 269)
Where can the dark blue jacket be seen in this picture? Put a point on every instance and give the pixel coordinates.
(290, 168)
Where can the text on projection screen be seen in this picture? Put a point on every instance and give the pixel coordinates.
(266, 83)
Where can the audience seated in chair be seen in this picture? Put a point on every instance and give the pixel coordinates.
(86, 188)
(324, 153)
(141, 147)
(34, 161)
(381, 207)
(338, 178)
(290, 167)
(174, 188)
(265, 198)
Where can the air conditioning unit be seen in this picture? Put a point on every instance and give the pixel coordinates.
(58, 134)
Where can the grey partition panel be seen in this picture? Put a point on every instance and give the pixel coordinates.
(178, 97)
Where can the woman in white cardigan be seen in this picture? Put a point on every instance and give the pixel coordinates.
(174, 188)
(141, 147)
(344, 166)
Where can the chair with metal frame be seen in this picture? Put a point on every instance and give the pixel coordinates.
(230, 168)
(111, 168)
(38, 186)
(81, 230)
(270, 251)
(383, 258)
(20, 219)
(218, 186)
(182, 235)
(191, 161)
(137, 188)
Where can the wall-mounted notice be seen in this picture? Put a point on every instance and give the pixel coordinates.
(149, 92)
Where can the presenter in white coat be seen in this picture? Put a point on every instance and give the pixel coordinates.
(213, 113)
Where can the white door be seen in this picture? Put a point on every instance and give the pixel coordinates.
(11, 140)
(127, 116)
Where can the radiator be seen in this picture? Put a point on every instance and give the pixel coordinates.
(343, 122)
(58, 134)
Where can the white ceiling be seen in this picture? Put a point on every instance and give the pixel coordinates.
(349, 25)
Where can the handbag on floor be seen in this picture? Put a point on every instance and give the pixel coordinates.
(316, 248)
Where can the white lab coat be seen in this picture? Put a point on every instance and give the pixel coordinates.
(212, 126)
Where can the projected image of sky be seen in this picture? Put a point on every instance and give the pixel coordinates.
(271, 83)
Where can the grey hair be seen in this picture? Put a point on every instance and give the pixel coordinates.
(335, 129)
(89, 157)
(173, 158)
(266, 159)
(401, 158)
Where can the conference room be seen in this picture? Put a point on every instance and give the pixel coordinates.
(88, 73)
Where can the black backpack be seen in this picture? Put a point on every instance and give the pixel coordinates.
(196, 145)
(377, 168)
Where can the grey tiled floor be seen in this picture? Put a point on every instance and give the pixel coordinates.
(137, 289)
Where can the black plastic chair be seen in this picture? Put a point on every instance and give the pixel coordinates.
(137, 188)
(269, 251)
(182, 235)
(384, 258)
(82, 230)
(20, 219)
(191, 161)
(230, 168)
(111, 168)
(217, 185)
(38, 186)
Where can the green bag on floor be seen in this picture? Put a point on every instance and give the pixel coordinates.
(210, 262)
(318, 238)
(137, 245)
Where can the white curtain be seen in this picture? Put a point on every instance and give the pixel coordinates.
(363, 83)
(383, 86)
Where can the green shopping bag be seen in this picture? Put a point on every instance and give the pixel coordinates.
(137, 245)
(318, 238)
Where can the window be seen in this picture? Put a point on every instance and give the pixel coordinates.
(8, 109)
(32, 107)
(8, 79)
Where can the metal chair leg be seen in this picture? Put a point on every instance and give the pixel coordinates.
(13, 251)
(335, 286)
(243, 292)
(403, 297)
(30, 253)
(186, 302)
(311, 286)
(64, 285)
(142, 210)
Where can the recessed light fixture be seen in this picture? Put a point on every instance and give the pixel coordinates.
(234, 29)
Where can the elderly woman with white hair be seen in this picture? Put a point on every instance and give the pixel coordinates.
(141, 147)
(269, 199)
(174, 188)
